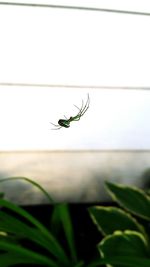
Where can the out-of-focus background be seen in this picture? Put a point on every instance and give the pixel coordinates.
(51, 58)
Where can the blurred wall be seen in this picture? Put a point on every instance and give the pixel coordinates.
(73, 176)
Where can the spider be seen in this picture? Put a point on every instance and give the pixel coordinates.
(66, 123)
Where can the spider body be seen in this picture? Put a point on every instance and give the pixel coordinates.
(66, 123)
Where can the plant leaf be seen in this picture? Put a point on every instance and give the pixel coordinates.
(79, 264)
(65, 218)
(31, 182)
(10, 259)
(127, 243)
(21, 230)
(2, 195)
(122, 261)
(131, 198)
(110, 219)
(53, 244)
(23, 254)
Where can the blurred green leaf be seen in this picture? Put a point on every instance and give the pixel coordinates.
(22, 255)
(131, 198)
(79, 264)
(2, 195)
(127, 243)
(10, 259)
(55, 222)
(110, 219)
(7, 179)
(52, 243)
(65, 218)
(21, 230)
(122, 261)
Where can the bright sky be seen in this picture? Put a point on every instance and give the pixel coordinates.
(70, 47)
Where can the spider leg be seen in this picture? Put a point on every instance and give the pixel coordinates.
(79, 108)
(77, 117)
(82, 110)
(85, 108)
(57, 126)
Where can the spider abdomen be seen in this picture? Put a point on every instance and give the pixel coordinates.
(64, 123)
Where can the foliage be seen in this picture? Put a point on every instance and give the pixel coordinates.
(18, 224)
(125, 241)
(124, 234)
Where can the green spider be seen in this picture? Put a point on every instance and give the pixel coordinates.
(66, 123)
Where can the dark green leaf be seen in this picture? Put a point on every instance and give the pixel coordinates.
(23, 254)
(110, 219)
(68, 229)
(11, 225)
(127, 243)
(122, 261)
(2, 195)
(131, 198)
(53, 244)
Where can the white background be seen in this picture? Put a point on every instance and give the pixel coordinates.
(70, 47)
(116, 119)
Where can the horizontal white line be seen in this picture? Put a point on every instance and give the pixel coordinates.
(75, 151)
(76, 86)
